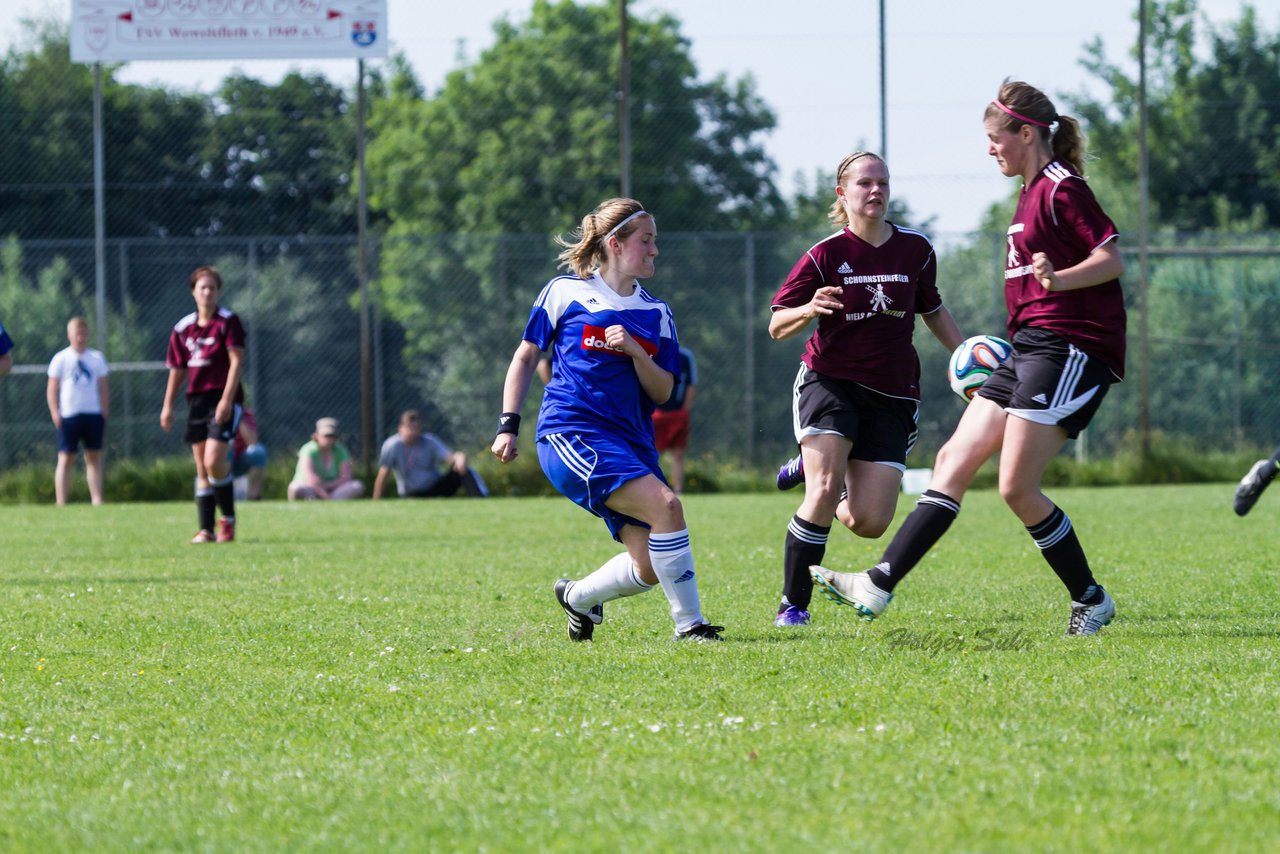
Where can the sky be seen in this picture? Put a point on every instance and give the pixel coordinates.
(816, 63)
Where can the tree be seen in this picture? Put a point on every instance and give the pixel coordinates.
(521, 144)
(1214, 122)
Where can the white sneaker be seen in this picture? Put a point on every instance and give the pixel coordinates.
(1089, 619)
(855, 589)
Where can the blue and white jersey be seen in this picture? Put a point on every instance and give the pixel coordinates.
(593, 386)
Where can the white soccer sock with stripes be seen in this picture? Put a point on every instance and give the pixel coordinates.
(615, 579)
(673, 564)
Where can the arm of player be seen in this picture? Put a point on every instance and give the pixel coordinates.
(514, 389)
(51, 397)
(656, 382)
(944, 328)
(1102, 265)
(227, 404)
(170, 392)
(786, 322)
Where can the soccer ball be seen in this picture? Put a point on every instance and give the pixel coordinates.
(973, 361)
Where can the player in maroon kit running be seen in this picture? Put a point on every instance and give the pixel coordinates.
(208, 347)
(1067, 325)
(856, 396)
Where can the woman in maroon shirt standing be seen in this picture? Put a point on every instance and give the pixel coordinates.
(207, 347)
(1067, 326)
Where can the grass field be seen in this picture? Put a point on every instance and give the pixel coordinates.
(395, 676)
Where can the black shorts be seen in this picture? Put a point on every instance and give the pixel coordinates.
(883, 429)
(1049, 381)
(85, 427)
(202, 408)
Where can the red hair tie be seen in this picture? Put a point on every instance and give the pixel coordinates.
(1019, 116)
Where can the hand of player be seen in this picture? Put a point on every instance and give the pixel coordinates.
(826, 301)
(504, 447)
(618, 338)
(166, 419)
(1042, 269)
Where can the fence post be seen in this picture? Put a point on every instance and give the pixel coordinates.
(748, 349)
(1237, 321)
(253, 305)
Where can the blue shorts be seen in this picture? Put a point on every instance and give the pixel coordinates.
(254, 457)
(87, 428)
(587, 467)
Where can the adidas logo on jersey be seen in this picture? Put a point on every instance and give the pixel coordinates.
(1040, 398)
(844, 268)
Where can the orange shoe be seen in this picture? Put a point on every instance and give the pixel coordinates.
(226, 531)
(202, 536)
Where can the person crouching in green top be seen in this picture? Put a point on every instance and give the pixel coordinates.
(324, 467)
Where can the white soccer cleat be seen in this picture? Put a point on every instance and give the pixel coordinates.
(855, 589)
(1089, 619)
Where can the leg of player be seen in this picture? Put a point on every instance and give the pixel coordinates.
(1257, 479)
(62, 476)
(870, 499)
(94, 474)
(825, 465)
(976, 439)
(670, 558)
(222, 484)
(1028, 448)
(205, 507)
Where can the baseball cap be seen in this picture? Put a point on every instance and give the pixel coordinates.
(327, 427)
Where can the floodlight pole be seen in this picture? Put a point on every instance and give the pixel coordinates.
(884, 113)
(362, 274)
(99, 213)
(1144, 368)
(624, 101)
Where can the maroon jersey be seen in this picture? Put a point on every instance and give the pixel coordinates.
(885, 287)
(1058, 215)
(202, 351)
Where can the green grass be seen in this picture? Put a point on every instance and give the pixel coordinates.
(395, 676)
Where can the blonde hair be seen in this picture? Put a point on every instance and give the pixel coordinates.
(837, 214)
(1034, 108)
(584, 249)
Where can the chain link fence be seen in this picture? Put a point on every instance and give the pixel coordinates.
(1211, 311)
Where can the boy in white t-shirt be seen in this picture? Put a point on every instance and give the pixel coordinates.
(78, 402)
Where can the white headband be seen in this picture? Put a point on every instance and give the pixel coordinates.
(614, 230)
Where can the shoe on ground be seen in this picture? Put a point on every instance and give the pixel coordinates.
(202, 536)
(1088, 619)
(701, 633)
(855, 589)
(581, 626)
(792, 473)
(226, 531)
(1252, 484)
(791, 616)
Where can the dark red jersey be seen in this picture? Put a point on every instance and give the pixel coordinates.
(202, 351)
(885, 287)
(1058, 215)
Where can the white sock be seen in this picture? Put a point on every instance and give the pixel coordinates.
(615, 579)
(673, 564)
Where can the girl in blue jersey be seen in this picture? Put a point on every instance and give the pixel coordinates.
(615, 351)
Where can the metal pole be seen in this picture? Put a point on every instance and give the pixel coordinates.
(99, 212)
(749, 348)
(884, 110)
(624, 100)
(1144, 367)
(362, 274)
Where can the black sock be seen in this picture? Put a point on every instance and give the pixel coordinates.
(225, 493)
(925, 525)
(806, 544)
(204, 510)
(1057, 539)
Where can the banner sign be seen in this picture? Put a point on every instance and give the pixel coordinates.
(125, 30)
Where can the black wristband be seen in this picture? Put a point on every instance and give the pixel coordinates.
(509, 422)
